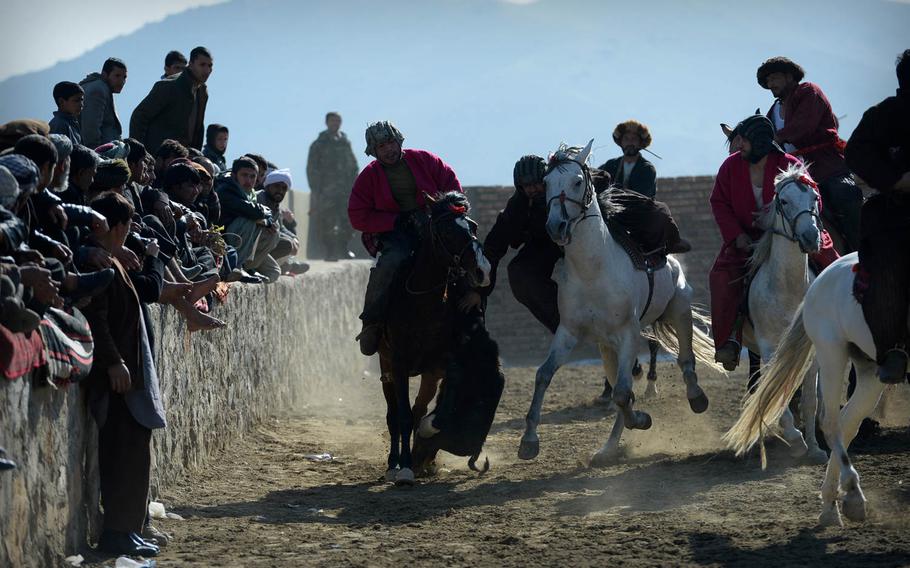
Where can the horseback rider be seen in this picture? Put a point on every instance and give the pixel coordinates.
(522, 225)
(631, 170)
(387, 206)
(879, 153)
(806, 127)
(744, 186)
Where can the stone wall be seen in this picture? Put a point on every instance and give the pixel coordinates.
(284, 345)
(522, 340)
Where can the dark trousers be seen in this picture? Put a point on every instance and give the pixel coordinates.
(883, 253)
(396, 248)
(124, 460)
(842, 202)
(530, 275)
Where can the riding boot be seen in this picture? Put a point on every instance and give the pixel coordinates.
(893, 368)
(728, 354)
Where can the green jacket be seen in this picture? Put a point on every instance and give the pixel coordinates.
(165, 113)
(331, 166)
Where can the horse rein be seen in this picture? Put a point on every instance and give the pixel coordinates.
(779, 211)
(454, 261)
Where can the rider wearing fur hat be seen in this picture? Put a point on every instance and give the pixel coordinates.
(879, 152)
(387, 206)
(631, 170)
(806, 127)
(743, 187)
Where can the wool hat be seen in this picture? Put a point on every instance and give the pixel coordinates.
(379, 132)
(9, 188)
(24, 170)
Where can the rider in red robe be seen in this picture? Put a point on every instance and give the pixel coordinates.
(735, 203)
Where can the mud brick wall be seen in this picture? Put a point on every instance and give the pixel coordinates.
(521, 338)
(284, 345)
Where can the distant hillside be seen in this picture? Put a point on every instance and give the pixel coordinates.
(483, 82)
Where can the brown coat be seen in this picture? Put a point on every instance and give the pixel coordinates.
(114, 318)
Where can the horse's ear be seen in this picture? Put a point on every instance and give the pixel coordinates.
(585, 153)
(430, 199)
(726, 130)
(758, 110)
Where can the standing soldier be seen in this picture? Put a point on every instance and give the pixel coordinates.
(331, 170)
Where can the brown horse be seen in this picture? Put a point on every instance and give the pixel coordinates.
(420, 333)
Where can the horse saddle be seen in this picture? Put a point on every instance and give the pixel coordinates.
(642, 259)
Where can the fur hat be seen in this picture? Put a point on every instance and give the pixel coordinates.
(778, 65)
(631, 125)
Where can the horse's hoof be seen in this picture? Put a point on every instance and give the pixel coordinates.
(636, 370)
(426, 428)
(854, 506)
(830, 517)
(699, 404)
(405, 477)
(391, 474)
(642, 420)
(817, 456)
(528, 450)
(798, 447)
(605, 458)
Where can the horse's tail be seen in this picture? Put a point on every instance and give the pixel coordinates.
(702, 345)
(780, 379)
(472, 461)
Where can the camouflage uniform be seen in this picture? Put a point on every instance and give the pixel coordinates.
(331, 170)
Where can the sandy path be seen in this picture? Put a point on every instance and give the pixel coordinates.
(678, 499)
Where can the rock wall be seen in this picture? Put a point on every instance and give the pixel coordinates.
(285, 344)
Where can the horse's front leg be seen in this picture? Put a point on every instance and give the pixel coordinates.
(622, 391)
(563, 343)
(405, 475)
(391, 420)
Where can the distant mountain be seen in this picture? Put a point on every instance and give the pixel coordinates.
(483, 82)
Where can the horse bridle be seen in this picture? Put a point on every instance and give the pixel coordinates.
(587, 197)
(454, 268)
(791, 223)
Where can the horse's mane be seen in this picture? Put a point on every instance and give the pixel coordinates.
(761, 251)
(449, 200)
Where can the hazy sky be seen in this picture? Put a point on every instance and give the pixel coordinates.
(75, 30)
(73, 26)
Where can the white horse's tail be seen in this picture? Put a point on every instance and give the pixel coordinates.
(780, 379)
(702, 345)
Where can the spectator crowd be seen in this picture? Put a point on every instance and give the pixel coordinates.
(96, 225)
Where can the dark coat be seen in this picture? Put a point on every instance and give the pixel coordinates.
(642, 179)
(165, 113)
(236, 202)
(67, 125)
(521, 224)
(216, 157)
(13, 232)
(99, 120)
(879, 148)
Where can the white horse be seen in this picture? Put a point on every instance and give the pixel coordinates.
(829, 326)
(604, 299)
(780, 276)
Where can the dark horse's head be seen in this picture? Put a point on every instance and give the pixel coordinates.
(454, 239)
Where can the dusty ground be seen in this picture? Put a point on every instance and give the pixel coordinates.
(679, 499)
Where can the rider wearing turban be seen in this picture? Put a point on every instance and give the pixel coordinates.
(734, 201)
(386, 205)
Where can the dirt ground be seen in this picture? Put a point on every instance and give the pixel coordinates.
(678, 499)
